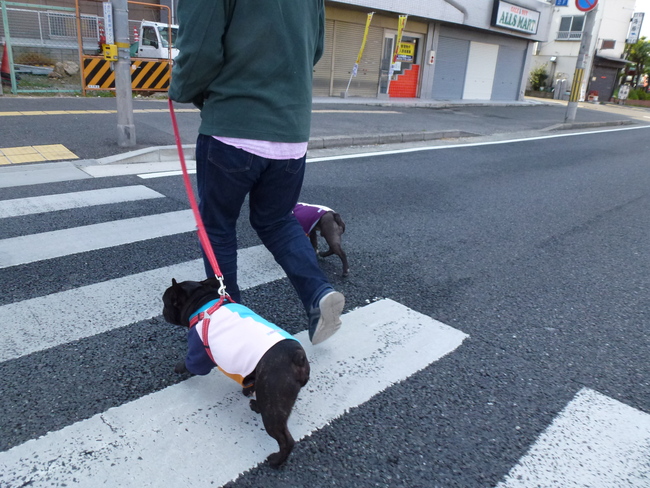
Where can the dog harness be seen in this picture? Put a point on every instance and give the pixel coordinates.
(231, 337)
(309, 215)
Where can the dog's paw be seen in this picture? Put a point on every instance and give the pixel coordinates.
(180, 368)
(276, 459)
(254, 407)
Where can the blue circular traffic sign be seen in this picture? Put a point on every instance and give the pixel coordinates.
(586, 5)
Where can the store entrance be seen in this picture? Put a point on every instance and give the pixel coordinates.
(408, 55)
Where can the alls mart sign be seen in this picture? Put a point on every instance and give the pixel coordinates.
(510, 16)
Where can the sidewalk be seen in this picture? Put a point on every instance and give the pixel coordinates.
(419, 102)
(449, 119)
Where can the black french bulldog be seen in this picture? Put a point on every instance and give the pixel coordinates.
(276, 378)
(331, 228)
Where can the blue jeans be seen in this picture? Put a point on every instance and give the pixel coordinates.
(225, 175)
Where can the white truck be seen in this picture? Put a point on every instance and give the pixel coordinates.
(154, 41)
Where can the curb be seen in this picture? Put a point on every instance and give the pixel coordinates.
(169, 153)
(589, 125)
(390, 138)
(155, 154)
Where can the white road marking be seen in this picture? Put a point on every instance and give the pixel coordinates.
(595, 442)
(66, 201)
(40, 323)
(469, 144)
(371, 112)
(160, 174)
(201, 432)
(47, 245)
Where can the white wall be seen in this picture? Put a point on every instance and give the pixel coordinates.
(612, 22)
(615, 23)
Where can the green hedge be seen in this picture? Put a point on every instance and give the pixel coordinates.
(639, 94)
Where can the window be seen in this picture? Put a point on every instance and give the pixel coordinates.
(149, 37)
(608, 44)
(571, 28)
(164, 34)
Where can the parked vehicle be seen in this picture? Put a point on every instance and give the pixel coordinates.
(154, 41)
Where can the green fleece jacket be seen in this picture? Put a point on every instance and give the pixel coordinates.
(248, 65)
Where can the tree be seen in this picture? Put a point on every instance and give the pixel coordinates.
(538, 77)
(639, 54)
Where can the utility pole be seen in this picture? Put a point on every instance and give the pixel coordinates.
(581, 64)
(125, 125)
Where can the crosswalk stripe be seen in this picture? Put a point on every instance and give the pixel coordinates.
(54, 244)
(40, 323)
(594, 441)
(65, 201)
(156, 440)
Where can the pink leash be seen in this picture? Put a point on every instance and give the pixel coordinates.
(203, 236)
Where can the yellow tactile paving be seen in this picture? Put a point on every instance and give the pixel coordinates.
(26, 158)
(55, 152)
(50, 147)
(34, 154)
(17, 151)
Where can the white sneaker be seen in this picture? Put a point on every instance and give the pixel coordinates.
(325, 319)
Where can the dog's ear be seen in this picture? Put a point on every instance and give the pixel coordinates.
(177, 294)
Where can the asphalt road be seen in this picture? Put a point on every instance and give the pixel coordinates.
(538, 250)
(93, 135)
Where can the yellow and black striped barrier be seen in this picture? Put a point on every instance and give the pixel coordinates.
(146, 74)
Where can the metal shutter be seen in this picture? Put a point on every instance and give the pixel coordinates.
(507, 79)
(604, 82)
(323, 69)
(450, 68)
(348, 42)
(481, 67)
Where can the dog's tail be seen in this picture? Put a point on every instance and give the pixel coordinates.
(302, 366)
(339, 220)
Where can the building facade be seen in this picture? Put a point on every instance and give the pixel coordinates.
(450, 49)
(605, 54)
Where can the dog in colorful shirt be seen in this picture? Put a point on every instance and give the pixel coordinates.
(260, 356)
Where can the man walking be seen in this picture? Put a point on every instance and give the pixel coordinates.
(248, 66)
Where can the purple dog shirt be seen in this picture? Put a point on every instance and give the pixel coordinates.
(309, 215)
